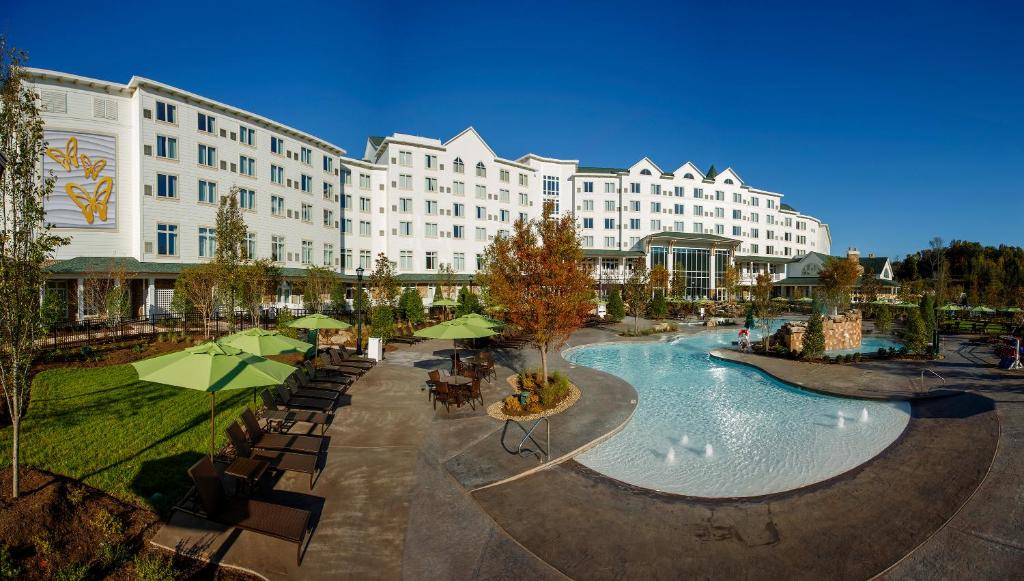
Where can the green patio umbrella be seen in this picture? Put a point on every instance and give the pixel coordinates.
(260, 342)
(1013, 310)
(805, 300)
(480, 321)
(316, 322)
(983, 309)
(455, 329)
(949, 308)
(212, 367)
(443, 303)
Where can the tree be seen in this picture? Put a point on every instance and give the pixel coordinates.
(870, 286)
(411, 306)
(659, 308)
(915, 335)
(118, 303)
(883, 319)
(383, 321)
(927, 306)
(766, 310)
(837, 279)
(445, 282)
(197, 283)
(749, 323)
(256, 281)
(53, 310)
(616, 310)
(315, 287)
(361, 302)
(469, 302)
(540, 279)
(659, 277)
(814, 338)
(339, 302)
(383, 282)
(637, 290)
(230, 251)
(678, 290)
(730, 282)
(26, 242)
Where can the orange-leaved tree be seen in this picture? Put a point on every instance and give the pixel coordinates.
(539, 280)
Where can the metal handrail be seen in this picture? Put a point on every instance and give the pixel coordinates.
(544, 453)
(932, 371)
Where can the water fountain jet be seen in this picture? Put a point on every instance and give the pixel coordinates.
(708, 450)
(864, 414)
(842, 421)
(671, 456)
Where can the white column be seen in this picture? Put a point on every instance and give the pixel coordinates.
(151, 297)
(81, 298)
(711, 273)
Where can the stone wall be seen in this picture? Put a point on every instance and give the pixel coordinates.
(842, 331)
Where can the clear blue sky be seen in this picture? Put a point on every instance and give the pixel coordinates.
(892, 123)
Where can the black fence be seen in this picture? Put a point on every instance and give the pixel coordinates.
(96, 332)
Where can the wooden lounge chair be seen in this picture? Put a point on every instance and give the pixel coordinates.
(266, 518)
(283, 418)
(354, 357)
(306, 403)
(263, 440)
(304, 378)
(278, 460)
(324, 370)
(337, 357)
(293, 385)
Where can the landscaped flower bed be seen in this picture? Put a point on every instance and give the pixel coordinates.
(533, 400)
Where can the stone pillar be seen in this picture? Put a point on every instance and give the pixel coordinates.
(81, 298)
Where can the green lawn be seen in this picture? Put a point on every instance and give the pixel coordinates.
(130, 438)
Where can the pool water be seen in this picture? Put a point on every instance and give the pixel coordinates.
(868, 345)
(710, 428)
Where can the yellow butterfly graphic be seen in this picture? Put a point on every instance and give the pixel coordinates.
(92, 204)
(92, 170)
(67, 158)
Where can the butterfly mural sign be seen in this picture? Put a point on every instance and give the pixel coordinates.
(84, 195)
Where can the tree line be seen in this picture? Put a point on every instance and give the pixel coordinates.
(965, 272)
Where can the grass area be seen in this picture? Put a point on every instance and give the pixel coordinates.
(130, 438)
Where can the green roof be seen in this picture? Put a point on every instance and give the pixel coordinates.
(104, 264)
(592, 169)
(783, 206)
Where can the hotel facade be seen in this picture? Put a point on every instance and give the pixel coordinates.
(141, 167)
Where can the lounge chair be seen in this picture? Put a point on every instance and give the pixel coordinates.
(278, 460)
(266, 518)
(324, 370)
(288, 400)
(276, 414)
(305, 378)
(264, 440)
(337, 357)
(293, 385)
(354, 357)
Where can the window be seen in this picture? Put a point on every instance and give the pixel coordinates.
(430, 161)
(364, 205)
(634, 206)
(364, 181)
(246, 135)
(737, 231)
(307, 252)
(680, 191)
(481, 192)
(481, 169)
(307, 184)
(328, 164)
(405, 228)
(737, 198)
(347, 259)
(166, 186)
(364, 228)
(655, 189)
(276, 206)
(503, 196)
(404, 182)
(430, 230)
(588, 223)
(207, 123)
(504, 215)
(459, 210)
(480, 260)
(588, 241)
(166, 147)
(609, 242)
(755, 217)
(405, 158)
(609, 187)
(405, 205)
(609, 223)
(430, 206)
(207, 155)
(679, 209)
(645, 172)
(207, 242)
(698, 210)
(609, 205)
(679, 226)
(306, 154)
(719, 196)
(166, 112)
(167, 239)
(698, 193)
(277, 248)
(346, 226)
(246, 166)
(719, 212)
(459, 232)
(328, 190)
(249, 245)
(431, 260)
(481, 234)
(504, 175)
(276, 174)
(246, 199)
(328, 218)
(655, 225)
(277, 145)
(459, 188)
(524, 199)
(405, 260)
(307, 212)
(588, 187)
(698, 227)
(550, 189)
(328, 254)
(588, 205)
(207, 192)
(430, 184)
(481, 213)
(634, 187)
(458, 166)
(755, 233)
(737, 214)
(459, 261)
(366, 259)
(346, 201)
(656, 207)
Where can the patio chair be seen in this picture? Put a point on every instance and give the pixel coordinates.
(288, 400)
(306, 378)
(278, 460)
(433, 379)
(474, 393)
(444, 394)
(488, 364)
(266, 518)
(264, 440)
(353, 357)
(283, 417)
(328, 371)
(337, 357)
(294, 386)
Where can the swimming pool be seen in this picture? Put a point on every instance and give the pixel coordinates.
(710, 428)
(869, 344)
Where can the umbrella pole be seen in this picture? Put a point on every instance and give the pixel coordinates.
(213, 421)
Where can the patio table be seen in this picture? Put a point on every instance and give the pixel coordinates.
(247, 470)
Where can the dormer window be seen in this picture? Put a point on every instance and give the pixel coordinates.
(458, 166)
(688, 176)
(728, 181)
(645, 172)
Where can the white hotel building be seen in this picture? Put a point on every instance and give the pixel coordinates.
(141, 167)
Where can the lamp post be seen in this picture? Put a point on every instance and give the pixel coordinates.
(359, 311)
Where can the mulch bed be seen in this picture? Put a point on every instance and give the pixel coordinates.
(60, 527)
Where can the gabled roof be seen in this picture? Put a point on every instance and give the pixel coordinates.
(470, 131)
(729, 173)
(689, 167)
(647, 160)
